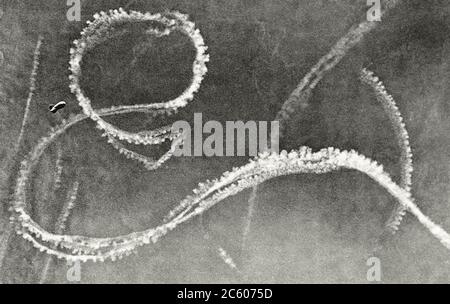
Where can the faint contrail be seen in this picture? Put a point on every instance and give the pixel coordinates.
(4, 240)
(60, 226)
(299, 98)
(37, 53)
(264, 167)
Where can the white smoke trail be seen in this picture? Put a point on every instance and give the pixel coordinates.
(32, 88)
(257, 171)
(402, 137)
(60, 225)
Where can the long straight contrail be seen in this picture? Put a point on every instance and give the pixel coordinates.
(37, 53)
(4, 240)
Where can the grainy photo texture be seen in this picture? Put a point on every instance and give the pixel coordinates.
(237, 141)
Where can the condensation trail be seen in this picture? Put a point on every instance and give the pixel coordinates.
(259, 170)
(299, 98)
(30, 92)
(60, 225)
(402, 137)
(4, 241)
(266, 166)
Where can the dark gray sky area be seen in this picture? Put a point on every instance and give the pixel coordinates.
(305, 228)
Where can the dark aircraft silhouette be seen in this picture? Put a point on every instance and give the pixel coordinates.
(56, 107)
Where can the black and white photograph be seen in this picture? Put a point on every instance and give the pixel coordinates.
(226, 142)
